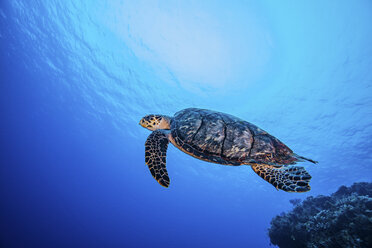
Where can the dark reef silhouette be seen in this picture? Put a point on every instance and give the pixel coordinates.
(343, 219)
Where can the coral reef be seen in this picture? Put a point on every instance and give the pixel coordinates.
(343, 219)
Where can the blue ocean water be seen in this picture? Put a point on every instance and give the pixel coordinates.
(77, 76)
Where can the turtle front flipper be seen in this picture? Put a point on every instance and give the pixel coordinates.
(155, 156)
(290, 179)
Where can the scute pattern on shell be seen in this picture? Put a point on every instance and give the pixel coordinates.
(238, 142)
(226, 139)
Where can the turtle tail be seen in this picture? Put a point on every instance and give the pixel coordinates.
(302, 159)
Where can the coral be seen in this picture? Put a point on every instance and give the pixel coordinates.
(343, 219)
(295, 202)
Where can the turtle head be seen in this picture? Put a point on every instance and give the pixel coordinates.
(154, 122)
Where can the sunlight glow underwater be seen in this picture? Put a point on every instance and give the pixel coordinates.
(200, 46)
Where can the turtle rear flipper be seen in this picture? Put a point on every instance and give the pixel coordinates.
(290, 179)
(155, 156)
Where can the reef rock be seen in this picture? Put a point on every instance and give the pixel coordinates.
(343, 219)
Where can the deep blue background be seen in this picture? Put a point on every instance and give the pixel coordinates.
(76, 77)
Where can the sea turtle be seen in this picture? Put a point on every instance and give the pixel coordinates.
(223, 139)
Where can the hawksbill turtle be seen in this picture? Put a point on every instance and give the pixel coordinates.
(223, 139)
